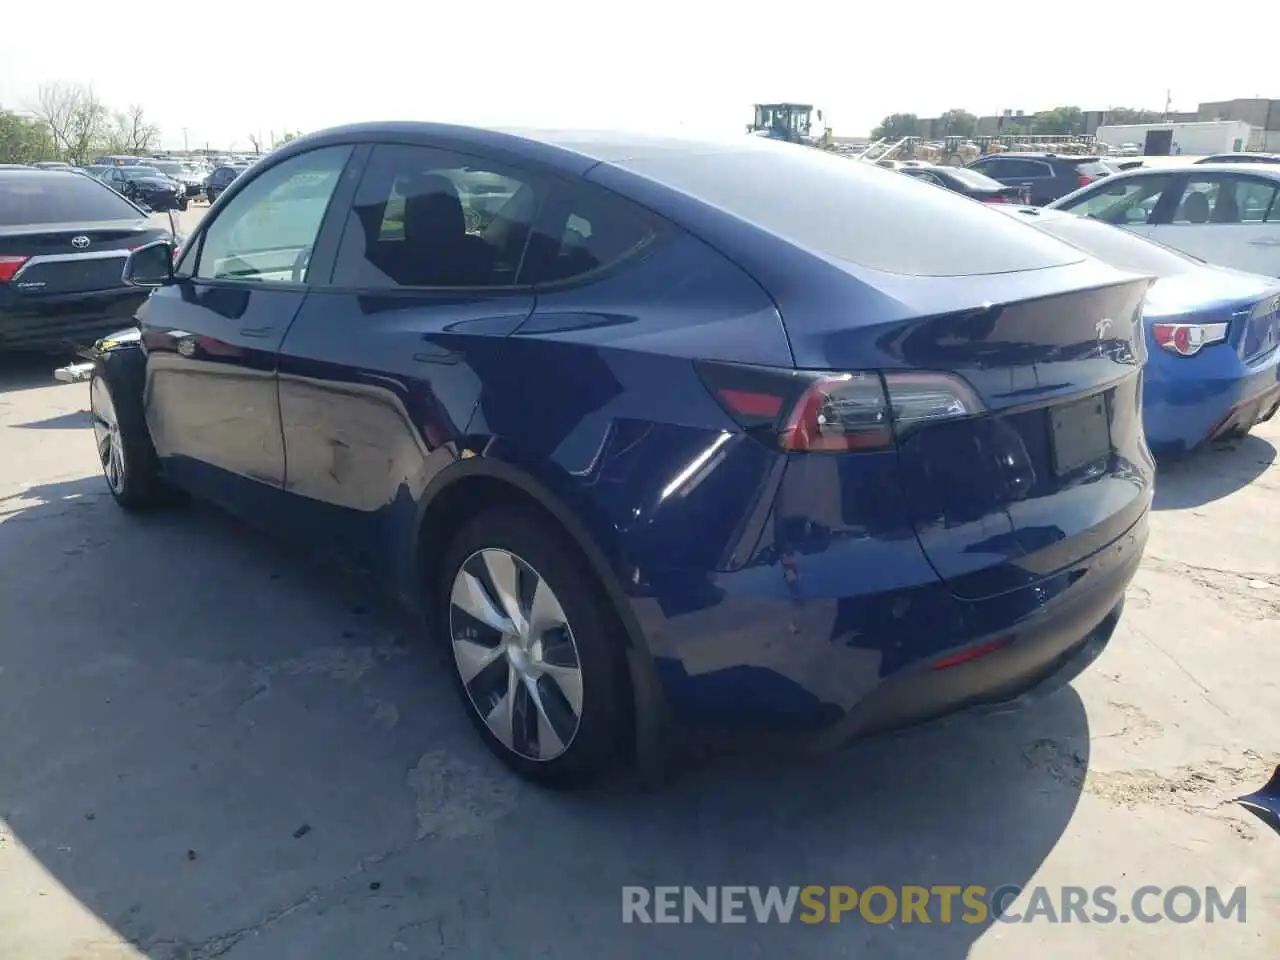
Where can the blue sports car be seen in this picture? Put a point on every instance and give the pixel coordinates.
(656, 434)
(1213, 333)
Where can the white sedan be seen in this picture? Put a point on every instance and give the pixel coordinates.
(1224, 213)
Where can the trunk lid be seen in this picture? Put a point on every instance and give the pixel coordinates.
(48, 260)
(1057, 466)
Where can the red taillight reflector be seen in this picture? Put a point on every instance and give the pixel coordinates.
(9, 266)
(973, 653)
(995, 198)
(1085, 181)
(810, 412)
(1187, 339)
(746, 402)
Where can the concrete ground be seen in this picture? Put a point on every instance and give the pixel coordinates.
(209, 747)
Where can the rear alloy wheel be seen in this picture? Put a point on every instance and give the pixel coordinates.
(537, 656)
(515, 654)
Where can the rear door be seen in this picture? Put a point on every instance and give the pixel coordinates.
(381, 371)
(213, 336)
(1225, 218)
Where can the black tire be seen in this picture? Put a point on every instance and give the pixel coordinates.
(212, 194)
(182, 204)
(599, 739)
(135, 482)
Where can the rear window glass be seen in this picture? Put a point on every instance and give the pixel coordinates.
(59, 198)
(973, 178)
(857, 212)
(1115, 246)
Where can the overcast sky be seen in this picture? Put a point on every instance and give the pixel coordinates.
(233, 68)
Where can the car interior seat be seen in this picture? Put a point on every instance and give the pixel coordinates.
(1195, 208)
(436, 249)
(1226, 210)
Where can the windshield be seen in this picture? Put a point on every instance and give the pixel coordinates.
(59, 198)
(138, 173)
(172, 169)
(1115, 246)
(973, 178)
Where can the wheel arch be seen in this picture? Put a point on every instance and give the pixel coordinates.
(473, 483)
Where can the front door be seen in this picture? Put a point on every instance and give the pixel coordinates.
(213, 336)
(378, 372)
(1225, 218)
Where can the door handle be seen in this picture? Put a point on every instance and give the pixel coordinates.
(256, 331)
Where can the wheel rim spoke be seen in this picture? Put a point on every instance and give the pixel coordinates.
(515, 654)
(473, 657)
(568, 681)
(470, 596)
(501, 719)
(505, 577)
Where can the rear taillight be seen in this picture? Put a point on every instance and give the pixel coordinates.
(9, 267)
(1187, 339)
(811, 412)
(1084, 181)
(995, 198)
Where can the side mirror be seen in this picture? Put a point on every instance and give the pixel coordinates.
(151, 265)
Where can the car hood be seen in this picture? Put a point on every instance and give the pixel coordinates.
(154, 182)
(1207, 288)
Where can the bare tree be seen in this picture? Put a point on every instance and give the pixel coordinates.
(253, 139)
(131, 133)
(76, 118)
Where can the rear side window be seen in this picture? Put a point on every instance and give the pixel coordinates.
(857, 212)
(580, 230)
(433, 218)
(59, 198)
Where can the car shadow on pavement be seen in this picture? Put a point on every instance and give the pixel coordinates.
(220, 748)
(22, 370)
(1212, 473)
(63, 421)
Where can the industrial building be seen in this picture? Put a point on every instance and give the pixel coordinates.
(1262, 115)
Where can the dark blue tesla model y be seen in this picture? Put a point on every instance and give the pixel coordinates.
(658, 435)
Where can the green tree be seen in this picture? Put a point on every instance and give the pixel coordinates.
(896, 125)
(958, 123)
(23, 139)
(1131, 115)
(1059, 120)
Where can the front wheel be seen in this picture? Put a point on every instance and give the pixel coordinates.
(538, 655)
(124, 446)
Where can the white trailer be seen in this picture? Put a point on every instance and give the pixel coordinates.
(1192, 139)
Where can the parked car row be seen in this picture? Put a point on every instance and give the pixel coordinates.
(1217, 295)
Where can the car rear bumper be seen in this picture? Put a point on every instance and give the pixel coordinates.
(813, 674)
(1180, 415)
(68, 320)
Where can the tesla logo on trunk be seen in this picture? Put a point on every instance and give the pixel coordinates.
(80, 242)
(1102, 326)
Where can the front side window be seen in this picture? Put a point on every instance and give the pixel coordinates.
(269, 229)
(432, 218)
(1121, 202)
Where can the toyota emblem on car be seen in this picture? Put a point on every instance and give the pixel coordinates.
(80, 242)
